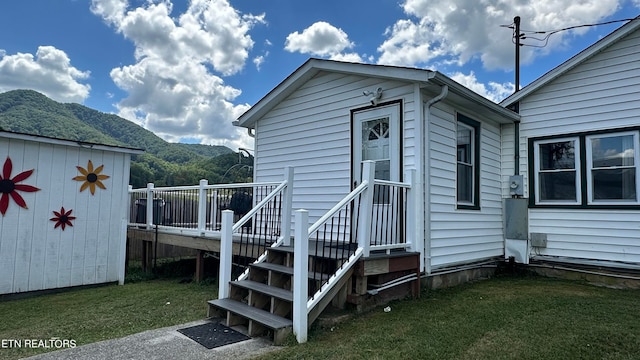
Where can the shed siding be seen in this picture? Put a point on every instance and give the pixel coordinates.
(461, 236)
(34, 255)
(601, 93)
(310, 130)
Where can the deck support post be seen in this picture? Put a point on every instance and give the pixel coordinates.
(226, 254)
(287, 197)
(199, 275)
(202, 205)
(300, 275)
(366, 205)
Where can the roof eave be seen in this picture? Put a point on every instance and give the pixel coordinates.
(462, 91)
(72, 143)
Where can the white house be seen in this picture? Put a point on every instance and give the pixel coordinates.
(328, 116)
(579, 141)
(63, 212)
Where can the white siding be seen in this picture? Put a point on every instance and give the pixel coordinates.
(461, 236)
(311, 129)
(601, 93)
(34, 255)
(588, 234)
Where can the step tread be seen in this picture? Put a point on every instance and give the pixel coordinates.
(280, 293)
(288, 270)
(273, 267)
(265, 318)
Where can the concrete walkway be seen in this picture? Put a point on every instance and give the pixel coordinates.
(164, 343)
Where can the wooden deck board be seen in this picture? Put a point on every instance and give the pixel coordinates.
(279, 293)
(265, 318)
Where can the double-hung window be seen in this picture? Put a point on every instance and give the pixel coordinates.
(557, 171)
(588, 169)
(612, 168)
(468, 159)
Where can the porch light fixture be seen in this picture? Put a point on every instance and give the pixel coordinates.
(374, 96)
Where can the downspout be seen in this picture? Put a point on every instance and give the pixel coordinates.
(426, 173)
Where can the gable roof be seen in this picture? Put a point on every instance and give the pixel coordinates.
(576, 60)
(314, 66)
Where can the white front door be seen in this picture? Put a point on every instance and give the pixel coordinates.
(377, 137)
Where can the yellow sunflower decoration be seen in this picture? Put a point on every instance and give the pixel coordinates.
(91, 178)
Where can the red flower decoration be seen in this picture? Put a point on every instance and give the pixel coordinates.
(62, 218)
(9, 187)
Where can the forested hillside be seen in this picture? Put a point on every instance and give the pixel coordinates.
(163, 163)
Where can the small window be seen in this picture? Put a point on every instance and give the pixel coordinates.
(557, 171)
(468, 158)
(612, 168)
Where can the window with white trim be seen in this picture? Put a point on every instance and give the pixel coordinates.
(612, 168)
(588, 170)
(557, 171)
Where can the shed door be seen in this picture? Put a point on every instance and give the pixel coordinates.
(377, 137)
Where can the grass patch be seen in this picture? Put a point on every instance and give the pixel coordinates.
(94, 314)
(502, 318)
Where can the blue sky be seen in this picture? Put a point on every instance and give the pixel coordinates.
(186, 69)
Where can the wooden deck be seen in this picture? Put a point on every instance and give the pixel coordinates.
(202, 244)
(373, 269)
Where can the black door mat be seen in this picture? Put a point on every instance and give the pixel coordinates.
(213, 334)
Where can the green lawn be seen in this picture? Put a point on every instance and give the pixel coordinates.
(502, 318)
(94, 314)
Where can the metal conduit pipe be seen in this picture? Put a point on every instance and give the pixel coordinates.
(479, 265)
(555, 267)
(392, 283)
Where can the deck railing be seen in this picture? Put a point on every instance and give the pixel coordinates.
(266, 224)
(372, 217)
(389, 220)
(197, 210)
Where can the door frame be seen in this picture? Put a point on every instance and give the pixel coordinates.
(355, 168)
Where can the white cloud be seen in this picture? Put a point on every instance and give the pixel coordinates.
(321, 39)
(349, 57)
(49, 72)
(469, 29)
(259, 60)
(493, 91)
(174, 88)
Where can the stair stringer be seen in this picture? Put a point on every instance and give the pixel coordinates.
(327, 293)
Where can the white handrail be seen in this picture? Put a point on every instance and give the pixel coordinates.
(259, 206)
(391, 183)
(210, 186)
(347, 199)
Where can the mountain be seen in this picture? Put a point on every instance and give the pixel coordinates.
(164, 163)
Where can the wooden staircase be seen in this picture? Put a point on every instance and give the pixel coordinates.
(263, 302)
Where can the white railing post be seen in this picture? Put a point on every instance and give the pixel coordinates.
(214, 209)
(411, 210)
(202, 206)
(300, 275)
(130, 203)
(149, 205)
(226, 254)
(287, 197)
(366, 204)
